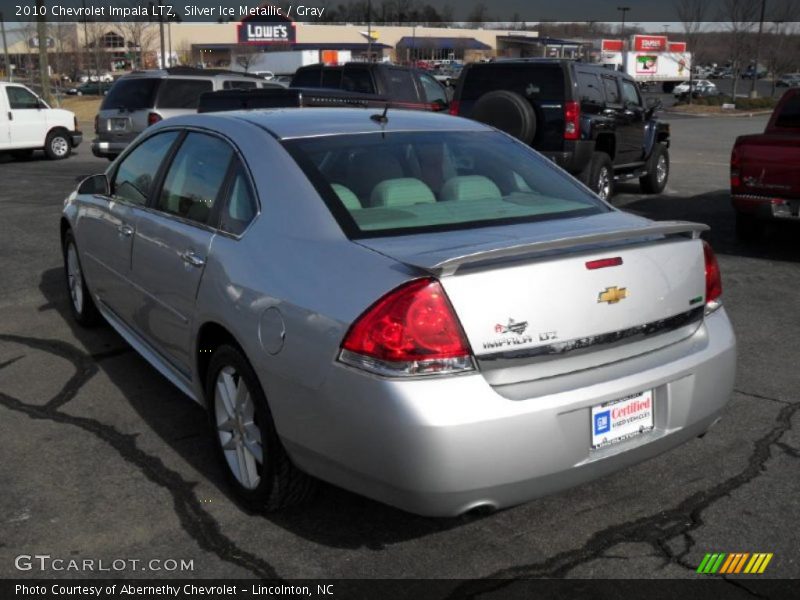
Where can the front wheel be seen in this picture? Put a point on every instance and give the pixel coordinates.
(256, 464)
(57, 145)
(81, 303)
(657, 171)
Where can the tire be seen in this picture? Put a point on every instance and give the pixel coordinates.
(22, 154)
(749, 228)
(57, 145)
(242, 431)
(507, 111)
(657, 171)
(81, 304)
(599, 175)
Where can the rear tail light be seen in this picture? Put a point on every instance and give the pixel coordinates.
(153, 118)
(455, 106)
(572, 121)
(713, 280)
(736, 180)
(412, 330)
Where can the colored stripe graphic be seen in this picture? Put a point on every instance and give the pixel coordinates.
(725, 564)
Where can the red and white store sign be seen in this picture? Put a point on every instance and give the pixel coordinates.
(677, 46)
(611, 45)
(650, 43)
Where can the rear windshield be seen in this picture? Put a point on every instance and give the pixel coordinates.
(536, 82)
(182, 93)
(132, 94)
(790, 113)
(403, 183)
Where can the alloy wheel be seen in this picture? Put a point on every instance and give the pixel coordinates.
(74, 278)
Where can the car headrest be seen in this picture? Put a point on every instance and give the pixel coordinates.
(346, 195)
(405, 191)
(470, 187)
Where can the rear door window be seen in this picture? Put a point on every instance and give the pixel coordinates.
(132, 94)
(631, 93)
(612, 90)
(134, 178)
(357, 79)
(589, 89)
(183, 93)
(195, 178)
(790, 113)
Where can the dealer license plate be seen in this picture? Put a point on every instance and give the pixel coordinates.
(621, 419)
(119, 124)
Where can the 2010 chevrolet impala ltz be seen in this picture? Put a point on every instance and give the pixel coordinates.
(412, 306)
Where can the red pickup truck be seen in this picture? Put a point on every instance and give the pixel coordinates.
(765, 171)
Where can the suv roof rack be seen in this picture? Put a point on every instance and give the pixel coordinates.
(193, 71)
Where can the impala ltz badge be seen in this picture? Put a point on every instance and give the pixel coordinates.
(517, 337)
(612, 295)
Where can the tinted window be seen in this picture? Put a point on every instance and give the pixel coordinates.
(357, 79)
(589, 88)
(238, 84)
(612, 91)
(790, 113)
(132, 94)
(400, 85)
(133, 181)
(433, 89)
(332, 77)
(195, 177)
(21, 98)
(182, 93)
(309, 77)
(630, 92)
(536, 82)
(403, 183)
(241, 206)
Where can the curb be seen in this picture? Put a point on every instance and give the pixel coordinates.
(757, 113)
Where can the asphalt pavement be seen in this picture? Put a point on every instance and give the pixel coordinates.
(102, 458)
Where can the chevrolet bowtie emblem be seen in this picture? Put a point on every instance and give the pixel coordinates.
(612, 295)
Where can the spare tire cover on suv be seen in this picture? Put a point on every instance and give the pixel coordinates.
(507, 111)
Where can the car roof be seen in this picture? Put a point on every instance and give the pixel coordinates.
(289, 123)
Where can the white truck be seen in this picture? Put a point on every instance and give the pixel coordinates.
(649, 59)
(287, 62)
(27, 123)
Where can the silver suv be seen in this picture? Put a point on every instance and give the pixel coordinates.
(143, 98)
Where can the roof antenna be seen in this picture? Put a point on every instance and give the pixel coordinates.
(382, 119)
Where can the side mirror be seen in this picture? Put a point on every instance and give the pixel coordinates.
(96, 185)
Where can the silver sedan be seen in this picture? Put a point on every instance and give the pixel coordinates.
(412, 306)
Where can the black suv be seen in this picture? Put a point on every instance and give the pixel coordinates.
(401, 87)
(588, 119)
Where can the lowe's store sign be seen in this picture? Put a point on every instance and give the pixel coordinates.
(267, 30)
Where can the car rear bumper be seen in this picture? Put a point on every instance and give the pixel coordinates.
(105, 149)
(444, 446)
(767, 207)
(575, 156)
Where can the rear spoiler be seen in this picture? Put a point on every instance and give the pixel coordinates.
(447, 266)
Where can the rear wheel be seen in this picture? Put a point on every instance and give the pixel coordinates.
(256, 464)
(81, 303)
(600, 175)
(749, 228)
(57, 145)
(657, 171)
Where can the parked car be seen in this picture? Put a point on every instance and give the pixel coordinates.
(589, 120)
(750, 73)
(448, 74)
(764, 171)
(788, 80)
(402, 87)
(27, 123)
(453, 322)
(698, 84)
(95, 77)
(97, 88)
(143, 98)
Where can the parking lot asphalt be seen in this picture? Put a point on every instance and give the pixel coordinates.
(102, 458)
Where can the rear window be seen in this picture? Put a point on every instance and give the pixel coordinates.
(403, 183)
(535, 82)
(357, 79)
(307, 77)
(132, 94)
(332, 77)
(182, 93)
(790, 113)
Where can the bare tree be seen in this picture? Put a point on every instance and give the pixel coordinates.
(780, 55)
(739, 17)
(246, 56)
(692, 14)
(139, 39)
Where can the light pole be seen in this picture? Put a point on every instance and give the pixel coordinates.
(753, 92)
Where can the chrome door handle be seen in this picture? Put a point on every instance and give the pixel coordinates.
(125, 230)
(189, 257)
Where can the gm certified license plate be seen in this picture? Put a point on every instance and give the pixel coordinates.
(621, 419)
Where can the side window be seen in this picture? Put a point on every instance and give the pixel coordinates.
(612, 91)
(309, 77)
(195, 177)
(238, 84)
(631, 93)
(357, 79)
(241, 206)
(433, 89)
(332, 77)
(401, 85)
(20, 98)
(133, 180)
(183, 93)
(589, 88)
